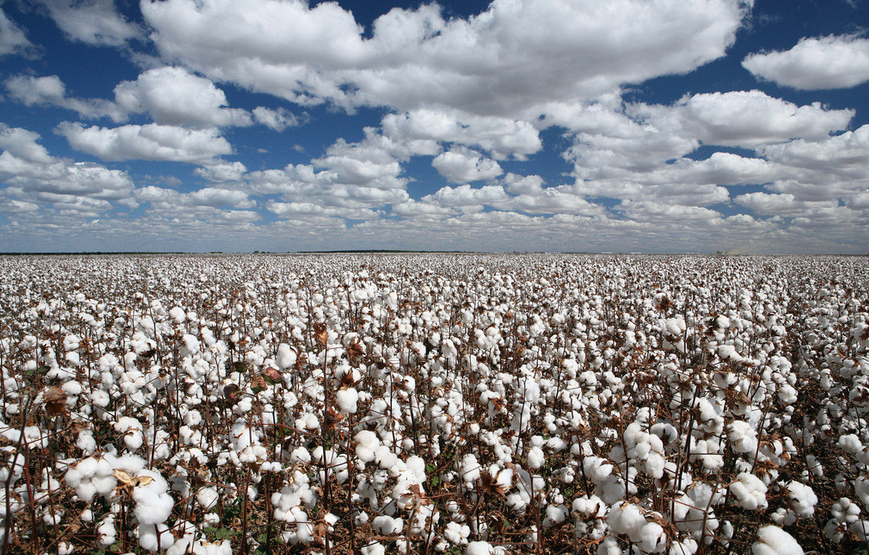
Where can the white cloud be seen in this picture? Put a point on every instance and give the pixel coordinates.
(832, 62)
(33, 177)
(12, 37)
(50, 90)
(463, 165)
(146, 142)
(502, 137)
(277, 120)
(208, 203)
(507, 60)
(22, 144)
(467, 198)
(784, 204)
(95, 22)
(222, 171)
(742, 118)
(174, 96)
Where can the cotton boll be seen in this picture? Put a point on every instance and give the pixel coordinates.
(153, 503)
(654, 540)
(470, 470)
(148, 537)
(775, 541)
(626, 518)
(803, 499)
(479, 548)
(387, 525)
(536, 457)
(347, 399)
(207, 497)
(749, 491)
(374, 548)
(860, 529)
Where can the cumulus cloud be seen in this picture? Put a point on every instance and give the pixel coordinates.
(13, 40)
(33, 177)
(95, 22)
(146, 142)
(222, 171)
(513, 56)
(502, 137)
(51, 91)
(174, 96)
(832, 62)
(277, 120)
(463, 165)
(742, 118)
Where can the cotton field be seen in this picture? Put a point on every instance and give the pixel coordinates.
(459, 404)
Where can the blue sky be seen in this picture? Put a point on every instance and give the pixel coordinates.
(519, 125)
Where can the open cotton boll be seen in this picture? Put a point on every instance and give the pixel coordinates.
(387, 525)
(479, 548)
(347, 399)
(470, 470)
(742, 436)
(373, 548)
(148, 537)
(367, 443)
(803, 499)
(153, 502)
(750, 491)
(626, 518)
(772, 540)
(207, 497)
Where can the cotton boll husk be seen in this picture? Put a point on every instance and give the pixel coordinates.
(772, 540)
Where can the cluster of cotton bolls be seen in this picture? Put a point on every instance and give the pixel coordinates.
(434, 403)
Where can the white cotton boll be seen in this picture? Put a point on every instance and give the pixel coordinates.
(100, 398)
(347, 399)
(470, 471)
(654, 540)
(72, 388)
(148, 537)
(177, 313)
(457, 534)
(207, 497)
(609, 546)
(772, 540)
(860, 529)
(367, 443)
(86, 442)
(861, 489)
(626, 518)
(742, 436)
(374, 548)
(536, 457)
(479, 548)
(750, 491)
(286, 357)
(555, 515)
(803, 499)
(153, 503)
(850, 443)
(387, 525)
(845, 510)
(106, 531)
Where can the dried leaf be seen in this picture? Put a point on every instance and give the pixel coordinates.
(55, 401)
